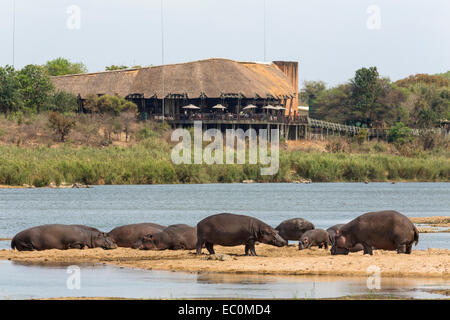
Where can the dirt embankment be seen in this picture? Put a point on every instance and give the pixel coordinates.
(271, 260)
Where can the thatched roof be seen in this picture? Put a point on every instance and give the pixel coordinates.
(211, 77)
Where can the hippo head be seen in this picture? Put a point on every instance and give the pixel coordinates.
(303, 243)
(101, 240)
(151, 242)
(271, 236)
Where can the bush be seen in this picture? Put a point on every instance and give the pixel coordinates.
(399, 134)
(61, 125)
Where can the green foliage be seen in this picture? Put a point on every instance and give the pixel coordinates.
(35, 87)
(311, 91)
(399, 134)
(366, 101)
(425, 79)
(445, 75)
(112, 105)
(63, 102)
(366, 88)
(10, 98)
(122, 67)
(61, 66)
(361, 137)
(145, 133)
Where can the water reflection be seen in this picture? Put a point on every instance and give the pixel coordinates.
(26, 280)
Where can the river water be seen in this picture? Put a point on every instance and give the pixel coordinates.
(106, 207)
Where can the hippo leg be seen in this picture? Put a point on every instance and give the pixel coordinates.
(408, 249)
(367, 249)
(200, 244)
(401, 248)
(25, 247)
(325, 245)
(75, 246)
(209, 247)
(320, 246)
(250, 248)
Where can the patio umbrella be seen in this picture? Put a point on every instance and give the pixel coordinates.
(280, 108)
(270, 107)
(219, 106)
(250, 106)
(191, 107)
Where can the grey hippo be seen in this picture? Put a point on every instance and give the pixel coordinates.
(60, 236)
(227, 229)
(292, 229)
(127, 235)
(174, 237)
(314, 238)
(385, 230)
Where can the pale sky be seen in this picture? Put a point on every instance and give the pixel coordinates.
(330, 39)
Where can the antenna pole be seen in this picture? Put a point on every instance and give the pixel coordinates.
(162, 57)
(14, 34)
(265, 31)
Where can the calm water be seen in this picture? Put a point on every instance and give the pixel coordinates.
(105, 207)
(324, 204)
(18, 281)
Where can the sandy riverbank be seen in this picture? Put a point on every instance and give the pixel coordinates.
(429, 263)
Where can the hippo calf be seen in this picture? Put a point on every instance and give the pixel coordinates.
(174, 237)
(313, 238)
(385, 230)
(60, 236)
(227, 229)
(335, 250)
(292, 229)
(127, 235)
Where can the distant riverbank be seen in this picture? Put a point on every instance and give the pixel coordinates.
(149, 162)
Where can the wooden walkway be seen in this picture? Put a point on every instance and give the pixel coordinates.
(297, 128)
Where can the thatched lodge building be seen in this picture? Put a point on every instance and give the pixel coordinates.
(206, 84)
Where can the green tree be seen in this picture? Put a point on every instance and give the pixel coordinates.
(10, 99)
(63, 102)
(62, 66)
(35, 88)
(311, 91)
(399, 134)
(112, 105)
(366, 88)
(334, 104)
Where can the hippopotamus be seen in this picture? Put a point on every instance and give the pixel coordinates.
(315, 237)
(292, 229)
(127, 235)
(60, 236)
(174, 237)
(385, 230)
(227, 229)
